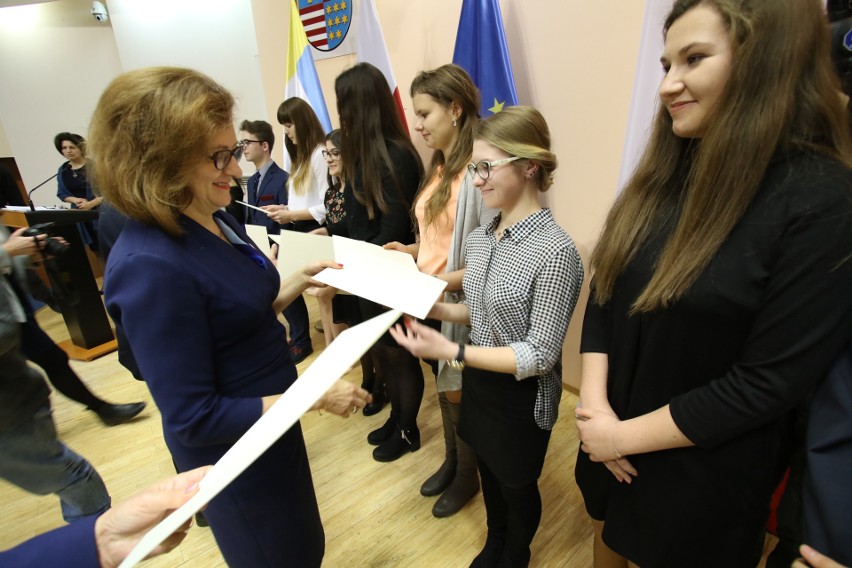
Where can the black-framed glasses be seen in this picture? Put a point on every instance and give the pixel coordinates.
(483, 168)
(246, 142)
(221, 158)
(331, 154)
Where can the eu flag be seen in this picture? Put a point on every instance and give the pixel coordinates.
(481, 50)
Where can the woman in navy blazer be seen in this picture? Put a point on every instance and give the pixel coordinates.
(198, 303)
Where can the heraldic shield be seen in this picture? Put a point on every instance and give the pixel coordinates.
(326, 21)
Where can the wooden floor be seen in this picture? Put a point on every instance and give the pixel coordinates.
(373, 513)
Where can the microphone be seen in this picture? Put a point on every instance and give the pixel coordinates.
(30, 192)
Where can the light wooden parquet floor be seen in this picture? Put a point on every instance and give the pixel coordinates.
(373, 513)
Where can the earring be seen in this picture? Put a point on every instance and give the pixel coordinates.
(454, 123)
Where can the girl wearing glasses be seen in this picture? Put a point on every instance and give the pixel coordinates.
(446, 210)
(169, 288)
(721, 294)
(382, 171)
(333, 203)
(521, 284)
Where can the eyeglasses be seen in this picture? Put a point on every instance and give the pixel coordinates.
(246, 142)
(221, 158)
(331, 154)
(483, 168)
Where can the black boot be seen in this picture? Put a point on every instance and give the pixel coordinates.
(396, 446)
(113, 414)
(442, 478)
(466, 482)
(378, 403)
(384, 432)
(491, 553)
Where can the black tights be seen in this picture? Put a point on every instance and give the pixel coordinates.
(41, 350)
(403, 381)
(513, 515)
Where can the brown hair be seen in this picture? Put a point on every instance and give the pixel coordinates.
(75, 139)
(522, 131)
(447, 85)
(149, 126)
(781, 94)
(369, 121)
(309, 135)
(261, 130)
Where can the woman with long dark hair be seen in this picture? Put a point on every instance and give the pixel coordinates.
(305, 211)
(382, 171)
(721, 294)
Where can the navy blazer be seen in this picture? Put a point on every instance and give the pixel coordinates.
(71, 545)
(272, 191)
(198, 315)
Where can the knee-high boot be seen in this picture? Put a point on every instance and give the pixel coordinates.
(465, 484)
(441, 479)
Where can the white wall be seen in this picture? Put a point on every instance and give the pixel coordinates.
(216, 37)
(55, 60)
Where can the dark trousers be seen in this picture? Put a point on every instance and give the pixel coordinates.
(513, 515)
(296, 315)
(39, 348)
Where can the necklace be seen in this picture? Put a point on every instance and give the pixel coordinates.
(79, 172)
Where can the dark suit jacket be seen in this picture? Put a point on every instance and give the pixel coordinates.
(272, 191)
(198, 315)
(71, 545)
(827, 499)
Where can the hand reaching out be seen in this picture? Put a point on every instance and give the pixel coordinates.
(119, 529)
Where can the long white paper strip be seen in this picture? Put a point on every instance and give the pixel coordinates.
(346, 349)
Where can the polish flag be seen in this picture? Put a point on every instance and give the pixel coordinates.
(371, 48)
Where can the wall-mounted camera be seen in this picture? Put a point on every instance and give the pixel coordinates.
(99, 11)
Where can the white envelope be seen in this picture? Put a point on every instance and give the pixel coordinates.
(332, 364)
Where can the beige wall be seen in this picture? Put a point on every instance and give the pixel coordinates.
(573, 60)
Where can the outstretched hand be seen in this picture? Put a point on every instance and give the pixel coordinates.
(344, 399)
(423, 341)
(119, 529)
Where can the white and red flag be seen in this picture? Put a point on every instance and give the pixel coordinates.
(371, 48)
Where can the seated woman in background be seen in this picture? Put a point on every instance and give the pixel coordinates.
(73, 182)
(521, 283)
(214, 361)
(721, 294)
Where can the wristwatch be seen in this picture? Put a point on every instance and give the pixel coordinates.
(458, 362)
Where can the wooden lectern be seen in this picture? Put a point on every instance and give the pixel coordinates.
(82, 308)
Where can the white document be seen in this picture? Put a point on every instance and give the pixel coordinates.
(296, 249)
(244, 204)
(389, 278)
(258, 234)
(344, 352)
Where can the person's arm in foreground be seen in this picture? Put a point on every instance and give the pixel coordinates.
(106, 541)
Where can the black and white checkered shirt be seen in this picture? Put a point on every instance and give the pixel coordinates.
(521, 291)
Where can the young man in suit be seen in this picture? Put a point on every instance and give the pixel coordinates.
(269, 187)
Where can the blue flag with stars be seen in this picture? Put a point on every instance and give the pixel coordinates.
(481, 50)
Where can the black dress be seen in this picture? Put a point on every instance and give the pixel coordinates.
(398, 187)
(756, 332)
